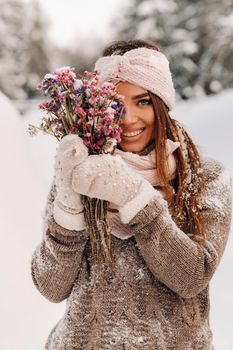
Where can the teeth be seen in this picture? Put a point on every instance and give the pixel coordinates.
(133, 133)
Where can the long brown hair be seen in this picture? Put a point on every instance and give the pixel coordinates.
(182, 193)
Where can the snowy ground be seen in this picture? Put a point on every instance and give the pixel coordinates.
(26, 172)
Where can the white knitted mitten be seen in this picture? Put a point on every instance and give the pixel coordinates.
(109, 178)
(67, 209)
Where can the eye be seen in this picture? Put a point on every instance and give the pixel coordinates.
(145, 102)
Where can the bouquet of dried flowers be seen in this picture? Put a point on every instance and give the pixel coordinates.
(77, 104)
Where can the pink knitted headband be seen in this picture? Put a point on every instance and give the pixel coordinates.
(144, 67)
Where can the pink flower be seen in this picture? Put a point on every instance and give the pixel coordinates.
(86, 142)
(99, 142)
(65, 75)
(80, 112)
(108, 88)
(107, 132)
(43, 105)
(90, 123)
(82, 107)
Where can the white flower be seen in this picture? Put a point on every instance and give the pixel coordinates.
(49, 76)
(111, 110)
(78, 84)
(109, 146)
(112, 141)
(88, 93)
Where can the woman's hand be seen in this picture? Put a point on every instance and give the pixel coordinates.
(109, 178)
(67, 205)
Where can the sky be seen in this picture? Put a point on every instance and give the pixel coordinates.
(78, 19)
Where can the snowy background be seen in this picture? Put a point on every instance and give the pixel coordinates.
(26, 173)
(197, 37)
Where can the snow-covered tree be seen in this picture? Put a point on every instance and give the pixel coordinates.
(38, 48)
(208, 27)
(23, 53)
(146, 19)
(195, 35)
(216, 45)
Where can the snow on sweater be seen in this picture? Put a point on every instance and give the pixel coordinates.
(156, 296)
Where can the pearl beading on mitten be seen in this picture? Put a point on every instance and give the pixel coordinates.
(109, 178)
(145, 194)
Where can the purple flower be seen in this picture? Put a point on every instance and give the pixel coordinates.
(81, 106)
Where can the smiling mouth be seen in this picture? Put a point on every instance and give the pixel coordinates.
(133, 133)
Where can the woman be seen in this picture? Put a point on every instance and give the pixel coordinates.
(170, 213)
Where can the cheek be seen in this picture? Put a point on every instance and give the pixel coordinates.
(150, 122)
(150, 135)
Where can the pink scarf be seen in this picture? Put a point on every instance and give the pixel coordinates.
(145, 165)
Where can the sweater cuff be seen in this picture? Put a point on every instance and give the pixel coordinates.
(70, 221)
(155, 217)
(145, 194)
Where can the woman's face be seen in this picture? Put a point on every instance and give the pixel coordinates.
(138, 122)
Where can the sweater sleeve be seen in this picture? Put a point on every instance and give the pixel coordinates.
(56, 261)
(181, 264)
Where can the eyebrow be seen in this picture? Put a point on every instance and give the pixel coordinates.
(145, 94)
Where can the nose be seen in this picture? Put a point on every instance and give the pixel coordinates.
(130, 117)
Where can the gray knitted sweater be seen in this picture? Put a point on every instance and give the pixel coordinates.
(156, 297)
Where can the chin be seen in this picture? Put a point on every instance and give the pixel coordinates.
(131, 148)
